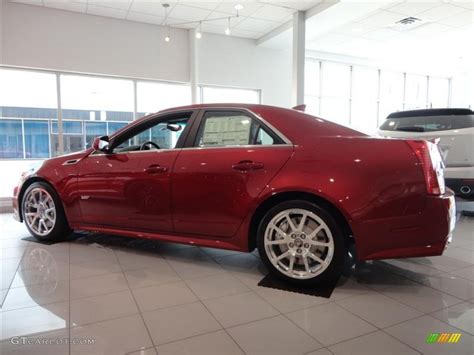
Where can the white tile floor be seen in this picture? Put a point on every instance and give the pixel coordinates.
(142, 297)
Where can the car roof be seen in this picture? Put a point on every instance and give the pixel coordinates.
(432, 112)
(217, 105)
(294, 125)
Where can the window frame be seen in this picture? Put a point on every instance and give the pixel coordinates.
(278, 137)
(146, 123)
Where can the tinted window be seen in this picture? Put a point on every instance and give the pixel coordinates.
(428, 123)
(221, 129)
(11, 139)
(94, 129)
(36, 139)
(69, 127)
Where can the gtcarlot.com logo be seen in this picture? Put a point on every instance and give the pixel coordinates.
(51, 341)
(443, 338)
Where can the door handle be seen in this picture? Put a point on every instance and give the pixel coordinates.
(246, 165)
(155, 169)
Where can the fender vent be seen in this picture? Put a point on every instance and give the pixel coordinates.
(71, 162)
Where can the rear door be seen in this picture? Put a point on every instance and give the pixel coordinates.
(228, 160)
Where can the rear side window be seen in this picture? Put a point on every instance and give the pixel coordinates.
(428, 123)
(224, 129)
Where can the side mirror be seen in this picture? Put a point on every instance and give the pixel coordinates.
(101, 143)
(173, 127)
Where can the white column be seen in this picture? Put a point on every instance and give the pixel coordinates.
(135, 100)
(298, 58)
(60, 115)
(193, 66)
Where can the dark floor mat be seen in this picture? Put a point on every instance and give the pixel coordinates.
(324, 290)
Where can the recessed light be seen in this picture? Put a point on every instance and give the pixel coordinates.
(198, 31)
(227, 30)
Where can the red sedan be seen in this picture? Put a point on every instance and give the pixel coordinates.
(240, 177)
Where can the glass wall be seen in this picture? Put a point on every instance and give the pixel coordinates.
(91, 106)
(416, 90)
(392, 86)
(88, 103)
(437, 92)
(312, 85)
(214, 94)
(152, 97)
(28, 100)
(335, 92)
(362, 97)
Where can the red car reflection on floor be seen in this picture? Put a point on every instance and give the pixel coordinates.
(240, 177)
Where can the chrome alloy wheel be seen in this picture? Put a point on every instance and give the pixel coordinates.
(299, 243)
(40, 211)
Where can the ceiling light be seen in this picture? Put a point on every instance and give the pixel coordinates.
(198, 32)
(227, 30)
(238, 7)
(168, 37)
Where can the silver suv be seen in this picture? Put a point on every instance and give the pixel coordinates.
(455, 129)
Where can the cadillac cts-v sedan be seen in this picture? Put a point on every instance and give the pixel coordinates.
(300, 189)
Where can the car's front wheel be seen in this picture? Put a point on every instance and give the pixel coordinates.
(300, 242)
(43, 213)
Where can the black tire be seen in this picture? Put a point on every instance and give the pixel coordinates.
(335, 266)
(61, 230)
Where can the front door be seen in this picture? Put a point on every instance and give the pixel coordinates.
(215, 182)
(130, 188)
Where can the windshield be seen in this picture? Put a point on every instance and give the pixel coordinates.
(428, 123)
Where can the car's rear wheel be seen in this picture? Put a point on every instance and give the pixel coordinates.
(300, 242)
(43, 213)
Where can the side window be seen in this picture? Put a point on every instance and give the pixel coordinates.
(162, 135)
(223, 129)
(263, 138)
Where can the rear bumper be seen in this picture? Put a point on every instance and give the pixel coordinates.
(424, 234)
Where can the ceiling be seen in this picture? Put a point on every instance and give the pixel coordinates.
(447, 29)
(355, 28)
(255, 19)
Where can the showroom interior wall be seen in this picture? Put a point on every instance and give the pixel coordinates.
(60, 40)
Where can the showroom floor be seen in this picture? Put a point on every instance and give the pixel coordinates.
(125, 295)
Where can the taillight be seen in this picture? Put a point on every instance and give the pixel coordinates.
(431, 162)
